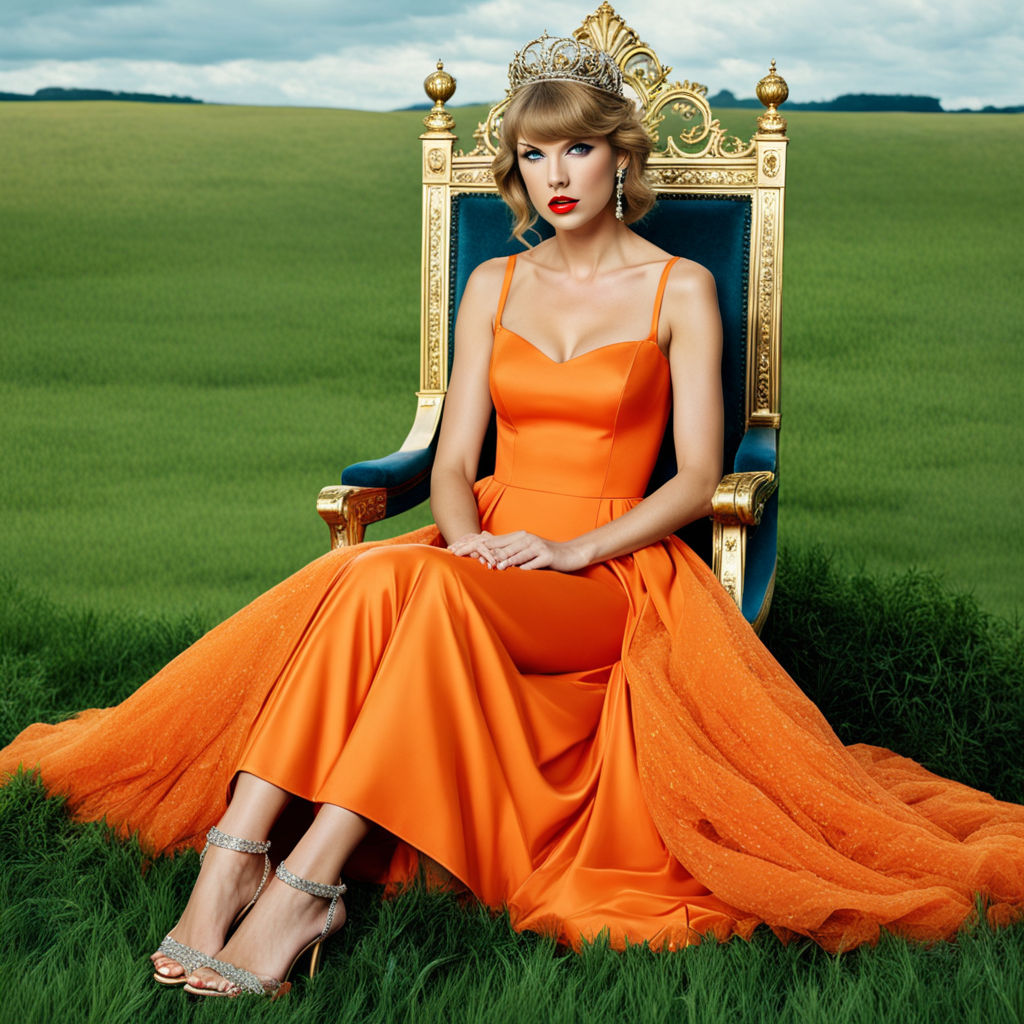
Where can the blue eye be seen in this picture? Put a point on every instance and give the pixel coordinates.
(581, 148)
(530, 155)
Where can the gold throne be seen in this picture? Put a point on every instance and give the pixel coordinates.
(721, 203)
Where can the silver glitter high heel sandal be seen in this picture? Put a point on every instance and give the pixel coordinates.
(245, 982)
(192, 959)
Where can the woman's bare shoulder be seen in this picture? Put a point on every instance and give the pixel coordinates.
(690, 308)
(685, 273)
(490, 272)
(484, 285)
(688, 277)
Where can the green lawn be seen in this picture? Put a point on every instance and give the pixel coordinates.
(208, 311)
(204, 318)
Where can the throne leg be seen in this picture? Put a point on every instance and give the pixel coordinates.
(738, 503)
(729, 557)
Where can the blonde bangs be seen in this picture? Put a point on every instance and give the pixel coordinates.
(559, 110)
(549, 111)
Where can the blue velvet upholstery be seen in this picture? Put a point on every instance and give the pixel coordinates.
(759, 451)
(759, 568)
(714, 230)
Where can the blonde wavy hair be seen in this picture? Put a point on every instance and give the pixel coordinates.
(570, 110)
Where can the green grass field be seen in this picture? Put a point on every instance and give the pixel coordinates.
(904, 367)
(208, 311)
(194, 343)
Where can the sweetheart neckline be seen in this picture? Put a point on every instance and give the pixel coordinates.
(581, 355)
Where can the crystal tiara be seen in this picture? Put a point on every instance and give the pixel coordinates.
(556, 60)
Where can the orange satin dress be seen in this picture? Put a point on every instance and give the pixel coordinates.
(606, 751)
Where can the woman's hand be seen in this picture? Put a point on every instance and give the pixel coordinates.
(521, 549)
(475, 545)
(528, 551)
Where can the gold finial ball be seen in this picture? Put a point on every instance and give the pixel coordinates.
(772, 89)
(439, 85)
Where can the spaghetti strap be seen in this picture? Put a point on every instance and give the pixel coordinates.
(509, 268)
(657, 298)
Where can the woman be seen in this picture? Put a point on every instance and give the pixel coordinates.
(600, 741)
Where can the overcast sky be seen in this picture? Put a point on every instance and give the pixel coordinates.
(339, 53)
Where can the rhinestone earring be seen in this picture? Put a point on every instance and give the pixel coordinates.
(620, 178)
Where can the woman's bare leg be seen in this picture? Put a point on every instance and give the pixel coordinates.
(285, 919)
(227, 880)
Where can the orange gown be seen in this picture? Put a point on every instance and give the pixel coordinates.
(606, 751)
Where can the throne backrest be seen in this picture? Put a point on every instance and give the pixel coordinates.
(721, 203)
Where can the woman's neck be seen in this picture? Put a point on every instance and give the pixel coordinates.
(585, 252)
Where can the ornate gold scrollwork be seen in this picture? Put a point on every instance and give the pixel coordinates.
(476, 176)
(765, 310)
(434, 375)
(729, 555)
(692, 176)
(347, 511)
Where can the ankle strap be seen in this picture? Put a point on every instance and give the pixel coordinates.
(327, 892)
(217, 838)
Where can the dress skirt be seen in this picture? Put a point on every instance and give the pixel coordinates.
(683, 788)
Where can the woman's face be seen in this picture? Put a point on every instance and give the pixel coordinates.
(569, 181)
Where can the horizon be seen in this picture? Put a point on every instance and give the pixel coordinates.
(749, 102)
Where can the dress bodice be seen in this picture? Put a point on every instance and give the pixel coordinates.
(577, 440)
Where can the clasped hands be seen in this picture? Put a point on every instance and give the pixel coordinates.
(521, 549)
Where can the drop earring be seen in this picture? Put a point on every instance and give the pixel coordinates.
(620, 178)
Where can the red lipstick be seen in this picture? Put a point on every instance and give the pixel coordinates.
(562, 204)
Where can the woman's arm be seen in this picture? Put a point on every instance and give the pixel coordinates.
(467, 410)
(690, 314)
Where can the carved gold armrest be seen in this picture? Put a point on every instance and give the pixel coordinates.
(346, 510)
(740, 498)
(738, 502)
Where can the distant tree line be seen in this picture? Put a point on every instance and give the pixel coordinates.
(862, 101)
(55, 93)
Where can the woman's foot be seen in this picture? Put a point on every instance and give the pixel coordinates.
(286, 921)
(225, 886)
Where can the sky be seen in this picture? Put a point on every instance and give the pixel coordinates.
(374, 56)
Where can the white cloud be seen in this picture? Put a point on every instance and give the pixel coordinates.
(331, 53)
